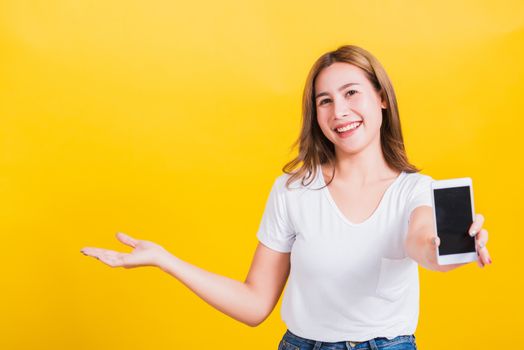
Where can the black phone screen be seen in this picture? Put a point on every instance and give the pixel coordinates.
(453, 216)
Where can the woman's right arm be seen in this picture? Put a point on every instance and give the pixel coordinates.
(249, 302)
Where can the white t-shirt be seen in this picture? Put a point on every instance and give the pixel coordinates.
(347, 281)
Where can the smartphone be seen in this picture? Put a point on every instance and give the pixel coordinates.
(453, 215)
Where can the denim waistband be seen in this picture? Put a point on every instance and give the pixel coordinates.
(376, 341)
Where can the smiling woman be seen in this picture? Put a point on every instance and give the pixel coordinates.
(350, 246)
(349, 104)
(350, 84)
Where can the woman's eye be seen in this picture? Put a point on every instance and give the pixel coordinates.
(351, 92)
(324, 101)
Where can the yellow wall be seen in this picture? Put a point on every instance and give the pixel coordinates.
(170, 120)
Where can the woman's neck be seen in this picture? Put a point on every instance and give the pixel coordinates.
(360, 169)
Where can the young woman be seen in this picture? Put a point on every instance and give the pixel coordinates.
(348, 222)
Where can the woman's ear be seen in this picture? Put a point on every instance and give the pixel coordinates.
(383, 97)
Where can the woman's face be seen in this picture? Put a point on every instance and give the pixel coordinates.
(349, 110)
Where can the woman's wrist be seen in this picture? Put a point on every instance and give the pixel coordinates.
(163, 260)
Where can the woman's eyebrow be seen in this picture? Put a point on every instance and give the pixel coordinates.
(339, 89)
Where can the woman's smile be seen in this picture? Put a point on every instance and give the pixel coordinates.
(347, 129)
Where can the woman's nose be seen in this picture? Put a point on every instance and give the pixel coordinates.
(341, 109)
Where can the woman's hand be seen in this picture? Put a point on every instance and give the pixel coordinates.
(145, 253)
(422, 240)
(481, 238)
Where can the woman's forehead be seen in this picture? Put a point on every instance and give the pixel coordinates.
(339, 74)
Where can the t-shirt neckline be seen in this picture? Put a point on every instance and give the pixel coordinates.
(330, 199)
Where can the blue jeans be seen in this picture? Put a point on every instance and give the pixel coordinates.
(291, 341)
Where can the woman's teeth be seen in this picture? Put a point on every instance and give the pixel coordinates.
(349, 127)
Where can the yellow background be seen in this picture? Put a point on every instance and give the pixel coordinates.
(170, 121)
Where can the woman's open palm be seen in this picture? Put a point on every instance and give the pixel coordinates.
(145, 253)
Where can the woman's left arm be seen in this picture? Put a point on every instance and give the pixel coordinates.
(422, 240)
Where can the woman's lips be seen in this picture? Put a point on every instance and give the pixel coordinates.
(349, 132)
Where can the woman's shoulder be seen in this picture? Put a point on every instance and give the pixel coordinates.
(417, 176)
(415, 180)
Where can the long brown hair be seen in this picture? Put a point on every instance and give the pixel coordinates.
(315, 149)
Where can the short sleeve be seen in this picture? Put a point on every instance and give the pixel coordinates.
(275, 230)
(421, 194)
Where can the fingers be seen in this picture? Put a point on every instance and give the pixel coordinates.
(484, 257)
(89, 251)
(113, 261)
(108, 257)
(482, 252)
(476, 225)
(482, 238)
(128, 240)
(435, 242)
(479, 263)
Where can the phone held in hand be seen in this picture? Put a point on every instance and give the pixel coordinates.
(453, 215)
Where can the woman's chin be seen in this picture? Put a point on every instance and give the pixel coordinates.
(352, 147)
(348, 150)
